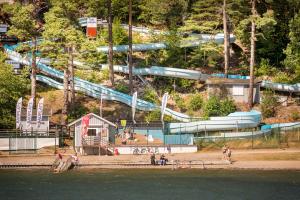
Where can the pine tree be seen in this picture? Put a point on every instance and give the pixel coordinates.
(26, 26)
(205, 17)
(62, 39)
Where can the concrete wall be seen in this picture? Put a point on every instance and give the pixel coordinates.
(227, 90)
(157, 149)
(28, 143)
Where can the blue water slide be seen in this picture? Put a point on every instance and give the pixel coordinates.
(281, 86)
(204, 38)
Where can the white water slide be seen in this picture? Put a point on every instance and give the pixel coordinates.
(234, 121)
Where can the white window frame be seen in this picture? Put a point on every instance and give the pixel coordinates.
(237, 90)
(91, 129)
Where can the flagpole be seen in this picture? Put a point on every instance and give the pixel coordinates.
(101, 102)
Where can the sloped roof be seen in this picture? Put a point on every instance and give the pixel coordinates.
(96, 116)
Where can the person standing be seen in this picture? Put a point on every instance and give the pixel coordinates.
(228, 152)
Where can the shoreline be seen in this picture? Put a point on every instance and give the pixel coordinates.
(257, 159)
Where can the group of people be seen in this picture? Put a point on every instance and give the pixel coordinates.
(162, 160)
(61, 164)
(226, 153)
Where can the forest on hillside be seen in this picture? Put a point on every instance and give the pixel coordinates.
(277, 40)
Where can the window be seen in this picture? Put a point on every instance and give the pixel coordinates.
(238, 90)
(91, 132)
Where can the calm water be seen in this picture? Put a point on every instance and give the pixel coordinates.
(150, 184)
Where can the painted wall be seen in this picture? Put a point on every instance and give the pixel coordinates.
(27, 143)
(157, 149)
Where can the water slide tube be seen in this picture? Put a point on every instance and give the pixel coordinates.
(95, 88)
(242, 120)
(203, 38)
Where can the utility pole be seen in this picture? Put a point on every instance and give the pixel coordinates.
(226, 40)
(130, 46)
(110, 44)
(252, 57)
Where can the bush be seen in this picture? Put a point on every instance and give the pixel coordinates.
(186, 83)
(227, 107)
(283, 77)
(150, 95)
(217, 107)
(265, 69)
(195, 103)
(295, 115)
(121, 87)
(179, 101)
(155, 116)
(268, 104)
(91, 75)
(212, 107)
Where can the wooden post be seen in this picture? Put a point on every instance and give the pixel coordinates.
(252, 58)
(130, 46)
(110, 44)
(226, 41)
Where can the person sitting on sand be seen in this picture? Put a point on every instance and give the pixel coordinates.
(75, 159)
(152, 159)
(163, 160)
(60, 164)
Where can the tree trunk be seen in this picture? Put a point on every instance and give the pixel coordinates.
(65, 100)
(33, 72)
(252, 56)
(110, 44)
(226, 40)
(71, 78)
(130, 47)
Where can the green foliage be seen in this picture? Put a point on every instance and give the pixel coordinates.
(121, 87)
(283, 77)
(60, 34)
(185, 84)
(295, 115)
(179, 101)
(212, 107)
(195, 102)
(173, 56)
(24, 23)
(218, 107)
(12, 87)
(150, 95)
(265, 69)
(206, 55)
(163, 12)
(155, 116)
(227, 107)
(78, 112)
(92, 75)
(268, 104)
(206, 16)
(292, 61)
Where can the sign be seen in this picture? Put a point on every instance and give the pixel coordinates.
(85, 122)
(3, 28)
(16, 65)
(123, 122)
(29, 113)
(39, 115)
(18, 113)
(91, 27)
(164, 105)
(133, 104)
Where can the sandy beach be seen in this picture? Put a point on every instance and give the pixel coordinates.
(264, 159)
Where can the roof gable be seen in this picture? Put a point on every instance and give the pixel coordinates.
(94, 115)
